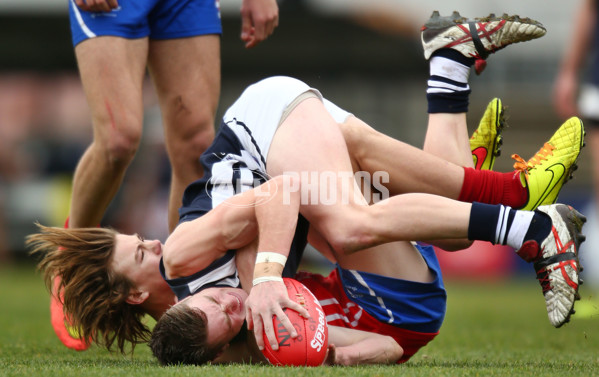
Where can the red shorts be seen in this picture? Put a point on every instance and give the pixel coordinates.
(343, 312)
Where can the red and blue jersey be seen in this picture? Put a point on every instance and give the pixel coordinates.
(410, 312)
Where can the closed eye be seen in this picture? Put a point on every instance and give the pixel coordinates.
(139, 253)
(227, 316)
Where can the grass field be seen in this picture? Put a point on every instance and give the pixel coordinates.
(490, 330)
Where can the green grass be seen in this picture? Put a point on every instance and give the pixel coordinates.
(490, 330)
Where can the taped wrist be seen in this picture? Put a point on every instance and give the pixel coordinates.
(269, 267)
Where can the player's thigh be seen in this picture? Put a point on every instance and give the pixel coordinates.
(399, 167)
(309, 140)
(186, 75)
(309, 143)
(399, 260)
(112, 70)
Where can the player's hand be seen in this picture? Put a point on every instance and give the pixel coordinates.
(259, 18)
(265, 301)
(97, 5)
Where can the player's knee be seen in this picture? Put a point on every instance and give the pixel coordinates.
(352, 133)
(201, 140)
(350, 236)
(347, 243)
(355, 132)
(122, 146)
(189, 147)
(191, 125)
(118, 134)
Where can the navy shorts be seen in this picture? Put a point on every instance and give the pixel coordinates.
(157, 19)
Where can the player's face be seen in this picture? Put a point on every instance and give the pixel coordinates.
(138, 260)
(225, 312)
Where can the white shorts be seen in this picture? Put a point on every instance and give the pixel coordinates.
(263, 106)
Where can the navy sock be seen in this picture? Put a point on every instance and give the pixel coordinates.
(483, 221)
(539, 228)
(503, 225)
(452, 54)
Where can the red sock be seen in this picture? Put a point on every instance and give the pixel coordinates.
(486, 186)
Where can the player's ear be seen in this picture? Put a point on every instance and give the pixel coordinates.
(137, 297)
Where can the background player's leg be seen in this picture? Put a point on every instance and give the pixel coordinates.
(186, 73)
(112, 71)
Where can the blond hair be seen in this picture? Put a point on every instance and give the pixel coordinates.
(93, 294)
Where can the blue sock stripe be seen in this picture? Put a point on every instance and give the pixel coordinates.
(446, 80)
(445, 88)
(454, 55)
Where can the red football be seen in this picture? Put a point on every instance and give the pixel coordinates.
(310, 346)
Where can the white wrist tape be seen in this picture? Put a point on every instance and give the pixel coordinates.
(270, 257)
(264, 279)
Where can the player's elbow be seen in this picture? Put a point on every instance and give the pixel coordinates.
(288, 185)
(171, 263)
(174, 262)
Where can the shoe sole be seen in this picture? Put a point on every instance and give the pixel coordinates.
(436, 21)
(500, 125)
(574, 166)
(576, 221)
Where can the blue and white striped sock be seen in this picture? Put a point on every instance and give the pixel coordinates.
(512, 227)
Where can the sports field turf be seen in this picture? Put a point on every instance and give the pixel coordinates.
(490, 330)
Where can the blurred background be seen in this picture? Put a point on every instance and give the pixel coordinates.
(365, 56)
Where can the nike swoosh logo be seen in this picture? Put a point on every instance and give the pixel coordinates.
(557, 171)
(480, 154)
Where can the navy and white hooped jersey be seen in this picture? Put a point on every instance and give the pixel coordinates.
(221, 273)
(236, 162)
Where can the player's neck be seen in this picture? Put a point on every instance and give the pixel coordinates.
(156, 307)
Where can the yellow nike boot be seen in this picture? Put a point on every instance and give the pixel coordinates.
(552, 166)
(486, 141)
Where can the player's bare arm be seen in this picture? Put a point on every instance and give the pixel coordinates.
(233, 224)
(351, 347)
(194, 245)
(268, 210)
(277, 210)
